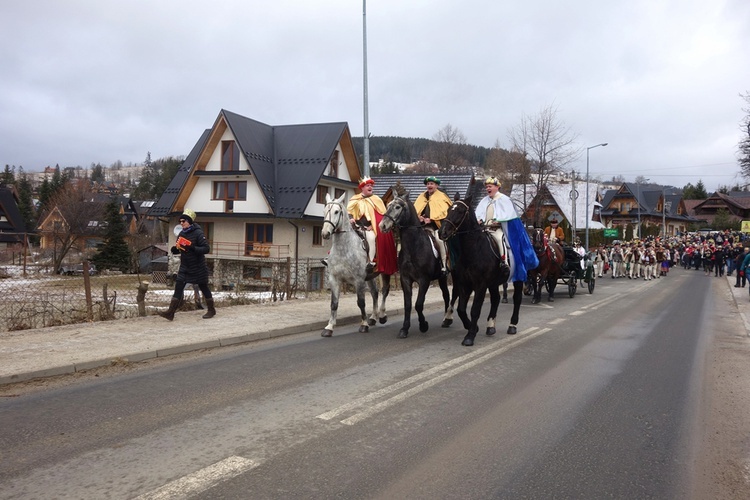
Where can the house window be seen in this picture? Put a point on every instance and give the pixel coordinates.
(230, 190)
(317, 236)
(230, 156)
(339, 193)
(335, 164)
(321, 193)
(257, 238)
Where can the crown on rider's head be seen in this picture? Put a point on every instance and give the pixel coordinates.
(492, 180)
(364, 181)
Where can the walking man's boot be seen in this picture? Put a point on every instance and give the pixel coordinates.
(169, 313)
(211, 309)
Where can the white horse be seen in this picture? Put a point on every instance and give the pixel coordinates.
(346, 264)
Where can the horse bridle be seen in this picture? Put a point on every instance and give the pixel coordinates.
(393, 221)
(466, 214)
(331, 222)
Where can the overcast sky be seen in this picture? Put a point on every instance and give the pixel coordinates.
(86, 81)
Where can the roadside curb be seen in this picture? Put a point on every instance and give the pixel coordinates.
(736, 298)
(136, 357)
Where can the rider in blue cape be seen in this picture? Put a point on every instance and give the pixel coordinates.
(496, 211)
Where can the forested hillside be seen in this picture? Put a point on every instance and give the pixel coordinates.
(411, 149)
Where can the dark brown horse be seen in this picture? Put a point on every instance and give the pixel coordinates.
(551, 258)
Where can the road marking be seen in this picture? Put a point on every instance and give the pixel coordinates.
(411, 380)
(376, 408)
(557, 321)
(577, 313)
(201, 480)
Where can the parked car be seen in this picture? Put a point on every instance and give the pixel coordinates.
(76, 270)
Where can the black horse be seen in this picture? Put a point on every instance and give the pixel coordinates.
(418, 261)
(551, 257)
(476, 270)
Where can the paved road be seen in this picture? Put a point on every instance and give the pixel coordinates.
(591, 378)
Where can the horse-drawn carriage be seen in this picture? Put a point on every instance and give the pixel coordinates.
(575, 269)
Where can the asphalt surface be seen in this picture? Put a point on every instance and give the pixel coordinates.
(59, 350)
(46, 352)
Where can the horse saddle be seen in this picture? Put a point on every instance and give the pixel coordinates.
(360, 231)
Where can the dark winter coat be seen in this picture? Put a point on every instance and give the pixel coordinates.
(193, 267)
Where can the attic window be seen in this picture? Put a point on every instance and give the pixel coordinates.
(335, 164)
(230, 156)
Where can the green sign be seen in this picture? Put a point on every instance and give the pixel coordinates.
(611, 233)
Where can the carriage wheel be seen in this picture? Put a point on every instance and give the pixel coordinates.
(546, 285)
(572, 288)
(592, 284)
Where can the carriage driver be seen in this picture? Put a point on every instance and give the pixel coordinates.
(496, 210)
(432, 207)
(554, 232)
(366, 210)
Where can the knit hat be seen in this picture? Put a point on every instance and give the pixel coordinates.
(188, 215)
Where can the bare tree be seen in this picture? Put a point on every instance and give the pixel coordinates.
(744, 146)
(449, 150)
(72, 209)
(548, 144)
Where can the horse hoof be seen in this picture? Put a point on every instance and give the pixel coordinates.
(402, 334)
(491, 330)
(423, 327)
(371, 322)
(512, 330)
(505, 300)
(447, 323)
(468, 342)
(550, 299)
(534, 301)
(382, 320)
(326, 333)
(364, 328)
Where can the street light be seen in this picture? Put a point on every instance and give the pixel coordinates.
(587, 191)
(638, 202)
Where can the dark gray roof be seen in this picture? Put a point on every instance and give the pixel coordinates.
(14, 224)
(164, 204)
(414, 183)
(287, 161)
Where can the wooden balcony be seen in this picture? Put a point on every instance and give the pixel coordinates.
(230, 250)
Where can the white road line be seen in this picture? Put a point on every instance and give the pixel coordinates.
(416, 389)
(577, 313)
(557, 321)
(201, 480)
(330, 415)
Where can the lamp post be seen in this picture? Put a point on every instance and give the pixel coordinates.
(587, 191)
(638, 202)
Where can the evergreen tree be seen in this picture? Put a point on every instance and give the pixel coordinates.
(97, 173)
(45, 194)
(114, 253)
(700, 191)
(8, 176)
(26, 202)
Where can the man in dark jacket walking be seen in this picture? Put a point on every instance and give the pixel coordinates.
(192, 246)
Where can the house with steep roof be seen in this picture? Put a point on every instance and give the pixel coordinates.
(646, 206)
(735, 203)
(12, 226)
(259, 191)
(564, 200)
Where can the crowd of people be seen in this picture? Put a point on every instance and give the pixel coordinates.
(718, 253)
